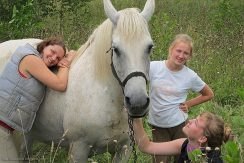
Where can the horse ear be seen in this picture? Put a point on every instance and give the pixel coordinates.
(148, 9)
(110, 11)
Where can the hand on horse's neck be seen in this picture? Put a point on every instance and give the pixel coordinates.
(173, 67)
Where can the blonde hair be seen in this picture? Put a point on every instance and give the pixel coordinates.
(216, 131)
(182, 38)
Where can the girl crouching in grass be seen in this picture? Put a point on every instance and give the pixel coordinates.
(206, 130)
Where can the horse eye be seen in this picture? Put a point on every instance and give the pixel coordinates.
(116, 50)
(149, 49)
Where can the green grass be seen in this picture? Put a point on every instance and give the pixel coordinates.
(215, 26)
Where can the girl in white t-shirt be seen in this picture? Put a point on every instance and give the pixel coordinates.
(170, 81)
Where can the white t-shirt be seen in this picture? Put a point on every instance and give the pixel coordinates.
(168, 90)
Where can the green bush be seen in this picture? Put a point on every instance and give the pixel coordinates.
(215, 26)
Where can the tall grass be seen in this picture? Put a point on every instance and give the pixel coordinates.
(215, 26)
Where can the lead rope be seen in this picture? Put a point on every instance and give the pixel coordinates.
(131, 135)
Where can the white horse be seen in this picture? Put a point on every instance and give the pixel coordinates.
(110, 73)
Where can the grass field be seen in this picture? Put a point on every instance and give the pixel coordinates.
(217, 28)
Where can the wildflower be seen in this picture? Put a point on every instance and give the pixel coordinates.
(216, 149)
(208, 148)
(125, 147)
(90, 160)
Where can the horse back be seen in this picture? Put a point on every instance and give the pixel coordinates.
(7, 48)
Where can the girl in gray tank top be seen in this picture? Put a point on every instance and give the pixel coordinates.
(22, 87)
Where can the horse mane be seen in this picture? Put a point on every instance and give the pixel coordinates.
(131, 25)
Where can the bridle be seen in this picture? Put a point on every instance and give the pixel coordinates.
(122, 84)
(128, 77)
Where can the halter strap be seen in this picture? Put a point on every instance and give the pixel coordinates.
(128, 77)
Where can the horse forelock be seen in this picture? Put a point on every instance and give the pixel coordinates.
(131, 24)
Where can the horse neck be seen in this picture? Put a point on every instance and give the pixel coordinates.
(96, 52)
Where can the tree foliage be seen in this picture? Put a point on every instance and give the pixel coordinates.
(215, 26)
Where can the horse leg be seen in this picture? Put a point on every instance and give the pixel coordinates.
(25, 151)
(78, 152)
(122, 154)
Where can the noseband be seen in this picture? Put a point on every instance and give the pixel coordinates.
(128, 77)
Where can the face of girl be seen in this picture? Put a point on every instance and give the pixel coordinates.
(52, 54)
(180, 53)
(195, 128)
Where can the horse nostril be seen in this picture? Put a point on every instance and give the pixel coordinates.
(145, 105)
(127, 99)
(148, 101)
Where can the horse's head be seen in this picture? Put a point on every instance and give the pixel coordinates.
(131, 47)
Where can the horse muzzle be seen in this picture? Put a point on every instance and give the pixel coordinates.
(136, 111)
